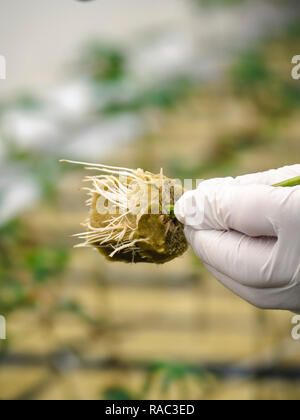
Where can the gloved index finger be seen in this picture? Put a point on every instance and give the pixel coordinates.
(254, 210)
(271, 177)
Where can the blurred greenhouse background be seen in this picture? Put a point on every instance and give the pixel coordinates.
(202, 88)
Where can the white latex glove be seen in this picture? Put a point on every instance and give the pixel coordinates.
(248, 235)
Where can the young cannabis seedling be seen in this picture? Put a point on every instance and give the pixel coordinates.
(131, 215)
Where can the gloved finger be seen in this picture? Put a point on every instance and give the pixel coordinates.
(271, 177)
(284, 298)
(248, 261)
(255, 210)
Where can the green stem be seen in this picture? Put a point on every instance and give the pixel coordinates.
(289, 183)
(170, 210)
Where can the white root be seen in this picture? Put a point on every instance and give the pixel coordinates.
(97, 165)
(116, 190)
(129, 245)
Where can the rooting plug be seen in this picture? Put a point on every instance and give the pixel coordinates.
(131, 216)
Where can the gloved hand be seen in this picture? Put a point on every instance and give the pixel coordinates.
(247, 233)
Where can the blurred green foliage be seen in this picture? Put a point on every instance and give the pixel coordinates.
(102, 62)
(46, 262)
(163, 374)
(161, 95)
(172, 373)
(250, 71)
(117, 393)
(274, 94)
(107, 67)
(23, 263)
